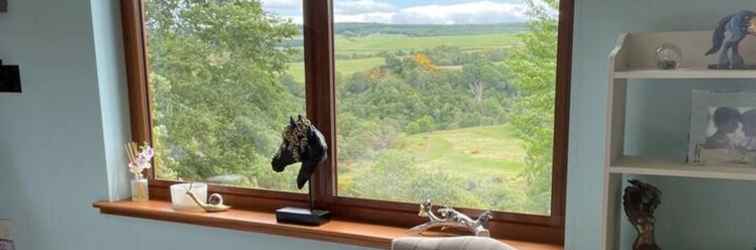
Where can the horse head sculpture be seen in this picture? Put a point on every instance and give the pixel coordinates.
(640, 201)
(302, 142)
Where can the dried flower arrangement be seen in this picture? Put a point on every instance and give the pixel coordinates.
(140, 158)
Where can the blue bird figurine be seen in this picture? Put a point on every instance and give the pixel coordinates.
(730, 31)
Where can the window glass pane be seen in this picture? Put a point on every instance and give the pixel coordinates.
(225, 75)
(447, 100)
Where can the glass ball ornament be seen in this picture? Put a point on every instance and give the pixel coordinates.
(668, 56)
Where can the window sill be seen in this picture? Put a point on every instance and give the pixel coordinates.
(340, 231)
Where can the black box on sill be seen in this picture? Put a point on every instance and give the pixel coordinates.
(302, 216)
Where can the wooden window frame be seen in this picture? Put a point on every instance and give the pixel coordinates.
(320, 99)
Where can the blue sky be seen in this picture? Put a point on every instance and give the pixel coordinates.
(412, 11)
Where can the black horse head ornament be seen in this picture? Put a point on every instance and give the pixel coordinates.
(302, 142)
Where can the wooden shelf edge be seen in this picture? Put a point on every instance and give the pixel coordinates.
(638, 166)
(685, 73)
(339, 231)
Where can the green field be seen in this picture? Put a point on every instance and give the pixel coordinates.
(467, 152)
(344, 67)
(377, 43)
(382, 42)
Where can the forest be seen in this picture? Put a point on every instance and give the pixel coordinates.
(460, 114)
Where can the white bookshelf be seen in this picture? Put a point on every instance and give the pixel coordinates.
(633, 58)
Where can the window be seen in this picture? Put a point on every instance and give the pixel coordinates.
(429, 105)
(462, 102)
(221, 89)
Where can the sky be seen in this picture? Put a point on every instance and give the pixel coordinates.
(411, 11)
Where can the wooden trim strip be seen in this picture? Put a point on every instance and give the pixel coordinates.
(337, 230)
(562, 113)
(137, 73)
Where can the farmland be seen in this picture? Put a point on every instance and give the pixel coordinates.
(366, 49)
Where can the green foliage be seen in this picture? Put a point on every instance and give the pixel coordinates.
(532, 67)
(410, 184)
(215, 73)
(423, 124)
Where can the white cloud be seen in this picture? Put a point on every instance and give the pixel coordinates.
(353, 7)
(381, 11)
(295, 19)
(547, 8)
(375, 17)
(463, 13)
(281, 4)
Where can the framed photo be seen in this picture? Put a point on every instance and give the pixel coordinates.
(723, 128)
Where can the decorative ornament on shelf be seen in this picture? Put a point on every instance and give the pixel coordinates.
(448, 217)
(730, 32)
(668, 56)
(640, 201)
(191, 197)
(140, 158)
(302, 142)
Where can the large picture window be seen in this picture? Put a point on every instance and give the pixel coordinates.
(461, 102)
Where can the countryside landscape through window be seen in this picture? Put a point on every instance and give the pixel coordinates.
(449, 100)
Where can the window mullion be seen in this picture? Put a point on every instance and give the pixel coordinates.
(319, 75)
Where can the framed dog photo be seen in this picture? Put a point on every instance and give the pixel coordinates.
(723, 128)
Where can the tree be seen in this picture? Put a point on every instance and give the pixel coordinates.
(216, 81)
(425, 62)
(532, 66)
(479, 74)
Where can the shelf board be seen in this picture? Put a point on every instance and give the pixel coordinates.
(639, 166)
(684, 73)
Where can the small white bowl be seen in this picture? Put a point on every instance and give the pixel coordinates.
(182, 202)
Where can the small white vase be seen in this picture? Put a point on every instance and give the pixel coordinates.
(140, 190)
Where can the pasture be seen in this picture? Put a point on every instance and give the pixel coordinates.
(468, 152)
(374, 44)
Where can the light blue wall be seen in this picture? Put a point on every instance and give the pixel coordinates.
(111, 75)
(59, 140)
(694, 214)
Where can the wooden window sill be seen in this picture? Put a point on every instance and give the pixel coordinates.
(340, 231)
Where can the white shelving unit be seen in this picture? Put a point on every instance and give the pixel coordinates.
(633, 58)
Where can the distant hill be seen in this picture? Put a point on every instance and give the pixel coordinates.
(363, 29)
(426, 30)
